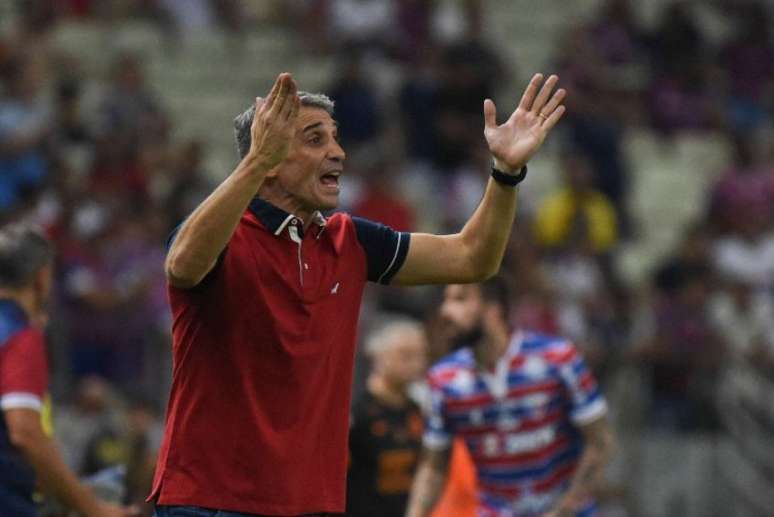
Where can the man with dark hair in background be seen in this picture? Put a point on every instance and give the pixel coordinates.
(527, 407)
(29, 458)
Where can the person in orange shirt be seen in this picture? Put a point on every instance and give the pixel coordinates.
(459, 495)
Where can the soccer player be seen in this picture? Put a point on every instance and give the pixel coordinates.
(265, 293)
(386, 432)
(29, 458)
(525, 404)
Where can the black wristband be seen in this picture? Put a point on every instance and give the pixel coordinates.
(509, 179)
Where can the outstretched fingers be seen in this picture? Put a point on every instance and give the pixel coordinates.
(530, 92)
(490, 114)
(295, 105)
(274, 91)
(545, 93)
(286, 84)
(554, 103)
(553, 118)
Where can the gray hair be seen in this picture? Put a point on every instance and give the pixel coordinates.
(243, 122)
(389, 333)
(24, 250)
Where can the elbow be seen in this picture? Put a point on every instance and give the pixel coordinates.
(482, 270)
(180, 272)
(481, 262)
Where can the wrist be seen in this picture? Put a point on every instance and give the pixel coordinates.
(502, 167)
(256, 164)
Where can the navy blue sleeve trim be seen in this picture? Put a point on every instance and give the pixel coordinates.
(172, 236)
(385, 249)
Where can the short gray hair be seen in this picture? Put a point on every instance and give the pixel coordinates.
(243, 122)
(388, 333)
(24, 250)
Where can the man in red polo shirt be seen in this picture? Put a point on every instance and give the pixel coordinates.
(265, 293)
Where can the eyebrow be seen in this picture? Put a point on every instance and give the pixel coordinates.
(318, 124)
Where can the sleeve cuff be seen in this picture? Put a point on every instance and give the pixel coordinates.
(436, 442)
(590, 412)
(20, 400)
(399, 257)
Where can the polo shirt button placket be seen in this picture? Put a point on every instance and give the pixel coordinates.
(295, 237)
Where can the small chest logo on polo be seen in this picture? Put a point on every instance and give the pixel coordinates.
(335, 288)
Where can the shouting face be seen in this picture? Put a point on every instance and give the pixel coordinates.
(309, 176)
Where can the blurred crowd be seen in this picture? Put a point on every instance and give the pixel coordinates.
(110, 182)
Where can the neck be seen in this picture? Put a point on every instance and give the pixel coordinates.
(289, 203)
(24, 298)
(490, 348)
(391, 393)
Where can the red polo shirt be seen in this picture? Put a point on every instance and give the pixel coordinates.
(263, 352)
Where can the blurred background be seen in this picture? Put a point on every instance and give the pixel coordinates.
(645, 226)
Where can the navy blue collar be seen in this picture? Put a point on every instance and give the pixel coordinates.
(276, 219)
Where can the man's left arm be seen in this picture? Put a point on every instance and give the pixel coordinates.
(475, 253)
(598, 447)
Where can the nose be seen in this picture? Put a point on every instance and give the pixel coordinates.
(336, 153)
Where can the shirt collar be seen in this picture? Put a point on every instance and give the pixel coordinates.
(276, 219)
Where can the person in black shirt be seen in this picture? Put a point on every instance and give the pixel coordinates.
(386, 430)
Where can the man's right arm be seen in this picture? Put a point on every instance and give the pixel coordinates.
(429, 481)
(55, 478)
(205, 234)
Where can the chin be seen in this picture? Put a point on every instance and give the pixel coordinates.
(327, 203)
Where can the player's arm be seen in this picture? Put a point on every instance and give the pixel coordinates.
(26, 433)
(475, 252)
(598, 447)
(429, 481)
(205, 234)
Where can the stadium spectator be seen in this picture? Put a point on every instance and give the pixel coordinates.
(386, 426)
(742, 314)
(92, 409)
(693, 253)
(684, 355)
(129, 111)
(748, 62)
(677, 41)
(30, 458)
(357, 108)
(24, 127)
(748, 250)
(596, 127)
(577, 215)
(517, 399)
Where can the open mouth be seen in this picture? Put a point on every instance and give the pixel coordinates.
(331, 179)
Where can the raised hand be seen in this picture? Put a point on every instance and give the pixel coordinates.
(274, 122)
(513, 143)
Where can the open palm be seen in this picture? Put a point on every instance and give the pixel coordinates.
(514, 142)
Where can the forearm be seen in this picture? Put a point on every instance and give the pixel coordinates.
(55, 478)
(205, 234)
(428, 482)
(589, 476)
(485, 235)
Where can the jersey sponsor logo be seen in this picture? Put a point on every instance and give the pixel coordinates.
(496, 444)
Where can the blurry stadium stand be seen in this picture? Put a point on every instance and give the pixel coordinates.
(210, 77)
